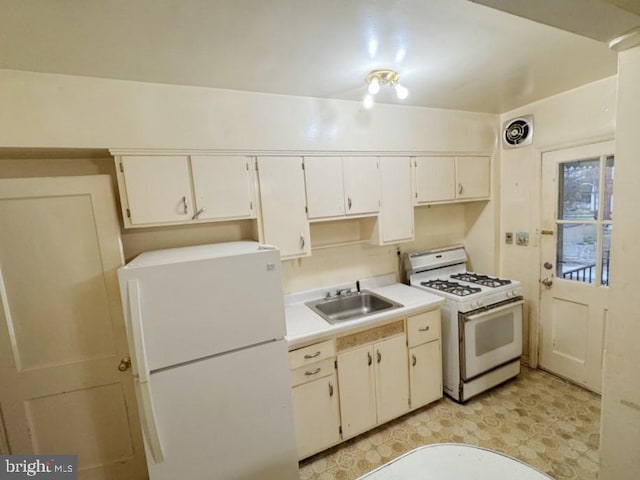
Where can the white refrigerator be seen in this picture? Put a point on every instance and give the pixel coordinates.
(206, 333)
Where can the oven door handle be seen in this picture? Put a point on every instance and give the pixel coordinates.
(491, 311)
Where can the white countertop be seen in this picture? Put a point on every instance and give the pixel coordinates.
(304, 326)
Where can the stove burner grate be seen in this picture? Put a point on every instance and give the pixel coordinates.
(454, 288)
(484, 280)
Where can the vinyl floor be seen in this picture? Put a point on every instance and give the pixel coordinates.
(538, 418)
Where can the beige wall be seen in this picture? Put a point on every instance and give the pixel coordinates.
(620, 435)
(44, 111)
(579, 116)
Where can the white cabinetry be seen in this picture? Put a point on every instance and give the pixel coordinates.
(283, 201)
(448, 178)
(173, 189)
(373, 381)
(339, 186)
(425, 358)
(395, 221)
(315, 398)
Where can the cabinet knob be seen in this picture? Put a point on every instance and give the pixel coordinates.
(125, 364)
(349, 202)
(414, 360)
(370, 359)
(460, 189)
(424, 329)
(330, 389)
(379, 355)
(302, 241)
(186, 205)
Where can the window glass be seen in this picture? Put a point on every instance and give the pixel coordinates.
(576, 252)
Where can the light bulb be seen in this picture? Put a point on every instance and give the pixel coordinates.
(401, 91)
(368, 101)
(374, 86)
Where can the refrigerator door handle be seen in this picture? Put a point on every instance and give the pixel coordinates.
(141, 371)
(140, 368)
(148, 421)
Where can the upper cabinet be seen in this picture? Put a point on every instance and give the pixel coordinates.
(283, 202)
(447, 178)
(341, 186)
(160, 190)
(395, 221)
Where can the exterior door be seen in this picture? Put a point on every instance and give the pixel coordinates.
(577, 205)
(62, 333)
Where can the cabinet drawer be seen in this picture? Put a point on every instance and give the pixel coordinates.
(311, 354)
(313, 371)
(423, 328)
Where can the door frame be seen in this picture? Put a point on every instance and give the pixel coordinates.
(535, 320)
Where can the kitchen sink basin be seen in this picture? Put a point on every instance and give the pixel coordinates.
(351, 306)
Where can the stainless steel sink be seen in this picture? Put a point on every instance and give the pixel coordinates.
(351, 306)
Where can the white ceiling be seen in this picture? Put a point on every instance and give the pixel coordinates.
(452, 54)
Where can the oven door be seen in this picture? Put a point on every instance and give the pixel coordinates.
(490, 338)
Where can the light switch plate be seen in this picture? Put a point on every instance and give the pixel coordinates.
(508, 238)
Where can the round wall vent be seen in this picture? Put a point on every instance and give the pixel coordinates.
(518, 132)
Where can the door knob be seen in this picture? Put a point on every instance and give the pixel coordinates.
(125, 364)
(547, 282)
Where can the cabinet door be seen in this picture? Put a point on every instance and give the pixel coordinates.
(396, 204)
(316, 414)
(435, 179)
(284, 219)
(158, 188)
(473, 176)
(425, 373)
(361, 185)
(392, 378)
(325, 190)
(222, 187)
(357, 391)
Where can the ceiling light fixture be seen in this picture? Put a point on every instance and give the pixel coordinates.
(377, 78)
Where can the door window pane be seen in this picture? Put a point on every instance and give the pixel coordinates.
(578, 189)
(606, 250)
(576, 252)
(607, 202)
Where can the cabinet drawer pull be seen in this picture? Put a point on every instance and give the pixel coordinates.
(349, 202)
(330, 389)
(198, 213)
(460, 189)
(186, 206)
(302, 242)
(379, 355)
(414, 360)
(424, 329)
(314, 355)
(369, 357)
(312, 372)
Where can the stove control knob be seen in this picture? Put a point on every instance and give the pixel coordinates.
(517, 292)
(480, 303)
(510, 294)
(473, 305)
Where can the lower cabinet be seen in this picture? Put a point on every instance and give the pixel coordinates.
(316, 414)
(347, 385)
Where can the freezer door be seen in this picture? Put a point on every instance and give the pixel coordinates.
(194, 309)
(227, 417)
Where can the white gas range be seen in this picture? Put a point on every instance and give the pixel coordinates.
(481, 320)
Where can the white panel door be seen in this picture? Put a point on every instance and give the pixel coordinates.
(325, 189)
(473, 177)
(435, 179)
(396, 204)
(356, 383)
(283, 199)
(158, 188)
(222, 187)
(577, 222)
(62, 334)
(392, 378)
(226, 417)
(361, 185)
